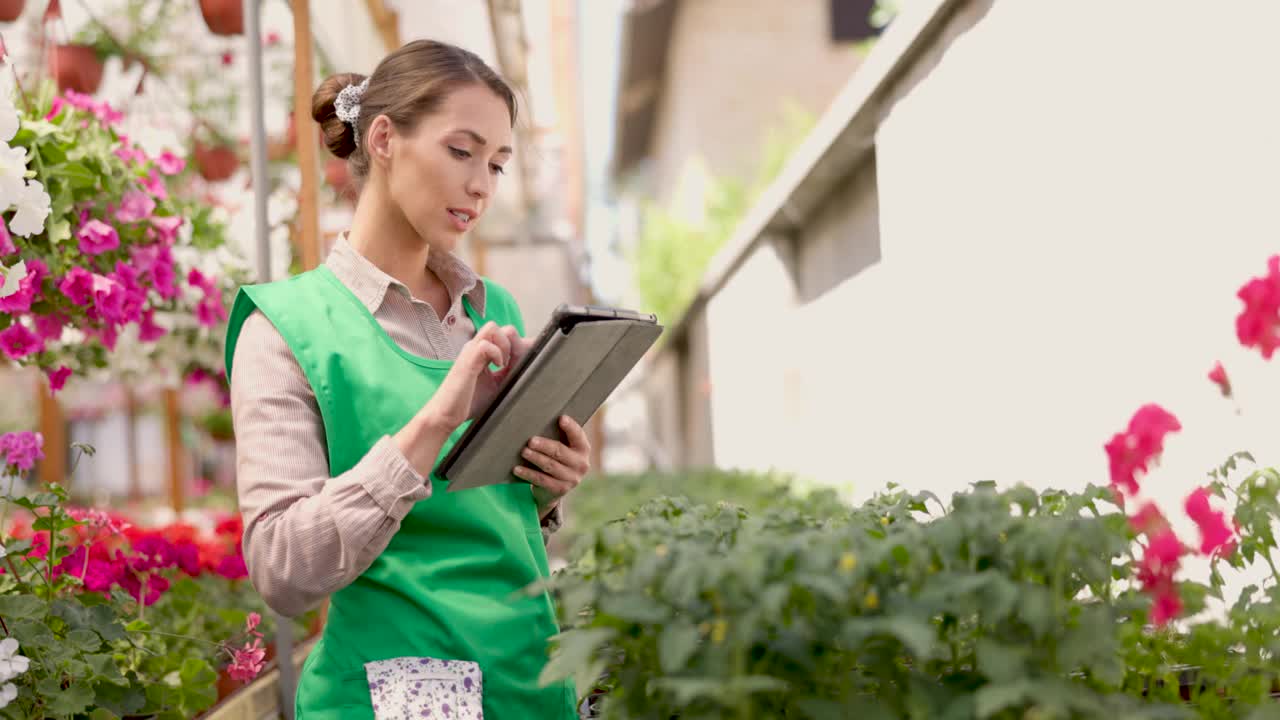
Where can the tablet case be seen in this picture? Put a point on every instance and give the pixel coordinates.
(573, 375)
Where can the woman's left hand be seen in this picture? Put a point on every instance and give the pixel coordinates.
(560, 467)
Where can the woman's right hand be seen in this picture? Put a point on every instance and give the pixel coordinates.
(470, 385)
(466, 391)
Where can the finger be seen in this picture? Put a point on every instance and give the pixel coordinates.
(578, 439)
(490, 332)
(514, 342)
(542, 480)
(484, 353)
(550, 465)
(560, 453)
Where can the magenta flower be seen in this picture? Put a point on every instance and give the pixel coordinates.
(170, 164)
(148, 330)
(1130, 452)
(97, 237)
(28, 289)
(6, 240)
(18, 342)
(154, 185)
(77, 285)
(136, 205)
(232, 567)
(108, 299)
(22, 449)
(1214, 531)
(247, 662)
(58, 378)
(168, 227)
(49, 327)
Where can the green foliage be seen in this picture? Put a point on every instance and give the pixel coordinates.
(609, 498)
(673, 253)
(1005, 604)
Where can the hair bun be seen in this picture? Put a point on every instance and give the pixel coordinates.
(339, 136)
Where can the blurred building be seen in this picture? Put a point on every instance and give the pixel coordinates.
(1015, 224)
(702, 85)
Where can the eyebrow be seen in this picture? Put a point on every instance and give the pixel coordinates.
(481, 141)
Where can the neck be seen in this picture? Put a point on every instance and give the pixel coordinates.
(381, 233)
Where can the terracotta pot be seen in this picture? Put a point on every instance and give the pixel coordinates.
(11, 9)
(226, 684)
(215, 162)
(76, 67)
(224, 17)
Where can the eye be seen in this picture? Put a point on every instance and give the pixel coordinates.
(459, 153)
(498, 169)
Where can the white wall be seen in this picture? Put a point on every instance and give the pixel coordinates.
(1067, 206)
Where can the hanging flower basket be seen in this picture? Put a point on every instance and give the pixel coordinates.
(76, 67)
(215, 162)
(224, 17)
(10, 10)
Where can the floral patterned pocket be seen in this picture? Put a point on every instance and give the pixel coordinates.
(425, 689)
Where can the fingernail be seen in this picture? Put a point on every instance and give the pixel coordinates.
(527, 453)
(520, 471)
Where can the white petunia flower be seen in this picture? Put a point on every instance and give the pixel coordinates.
(8, 694)
(33, 209)
(8, 117)
(12, 277)
(13, 171)
(11, 664)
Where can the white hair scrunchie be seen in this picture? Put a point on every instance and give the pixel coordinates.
(347, 106)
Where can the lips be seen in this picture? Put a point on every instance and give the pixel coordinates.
(462, 217)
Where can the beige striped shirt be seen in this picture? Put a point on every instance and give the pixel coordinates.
(306, 534)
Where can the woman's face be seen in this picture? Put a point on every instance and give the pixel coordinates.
(444, 173)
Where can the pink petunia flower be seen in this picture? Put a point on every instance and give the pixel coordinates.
(97, 237)
(17, 342)
(22, 449)
(135, 206)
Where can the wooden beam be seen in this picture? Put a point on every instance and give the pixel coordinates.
(308, 161)
(173, 443)
(387, 22)
(53, 427)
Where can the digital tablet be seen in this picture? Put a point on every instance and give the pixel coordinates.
(574, 364)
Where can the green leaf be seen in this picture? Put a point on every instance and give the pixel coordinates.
(991, 699)
(85, 641)
(70, 700)
(17, 547)
(33, 634)
(21, 607)
(104, 667)
(195, 671)
(916, 635)
(120, 700)
(634, 607)
(138, 626)
(574, 657)
(676, 644)
(38, 128)
(59, 230)
(78, 175)
(999, 662)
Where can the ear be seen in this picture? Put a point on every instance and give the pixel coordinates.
(379, 137)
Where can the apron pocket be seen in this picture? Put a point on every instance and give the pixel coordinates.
(425, 689)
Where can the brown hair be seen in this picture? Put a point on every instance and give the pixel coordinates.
(407, 85)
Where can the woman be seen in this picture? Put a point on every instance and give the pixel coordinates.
(349, 382)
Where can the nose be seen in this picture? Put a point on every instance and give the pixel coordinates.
(479, 185)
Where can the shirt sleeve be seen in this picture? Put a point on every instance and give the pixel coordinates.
(306, 534)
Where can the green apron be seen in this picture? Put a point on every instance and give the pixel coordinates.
(448, 585)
